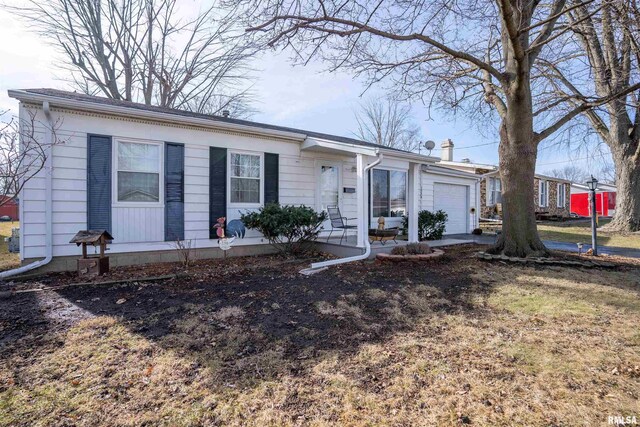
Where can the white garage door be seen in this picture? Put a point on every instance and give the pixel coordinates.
(453, 199)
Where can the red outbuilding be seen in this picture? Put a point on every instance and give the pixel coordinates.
(605, 200)
(9, 208)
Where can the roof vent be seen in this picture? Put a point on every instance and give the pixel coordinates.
(466, 160)
(225, 113)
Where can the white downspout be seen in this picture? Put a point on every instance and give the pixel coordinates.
(362, 225)
(48, 185)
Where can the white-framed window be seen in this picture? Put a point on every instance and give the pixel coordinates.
(543, 193)
(138, 166)
(388, 193)
(494, 192)
(562, 195)
(245, 178)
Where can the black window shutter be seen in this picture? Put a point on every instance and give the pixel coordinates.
(99, 182)
(271, 173)
(173, 191)
(217, 187)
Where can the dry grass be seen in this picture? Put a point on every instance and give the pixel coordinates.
(7, 260)
(581, 232)
(534, 347)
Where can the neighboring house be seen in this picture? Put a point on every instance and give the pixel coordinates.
(9, 208)
(151, 175)
(551, 195)
(605, 199)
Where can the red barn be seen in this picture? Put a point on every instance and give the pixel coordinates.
(605, 200)
(9, 208)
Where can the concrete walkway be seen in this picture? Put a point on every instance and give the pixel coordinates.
(550, 244)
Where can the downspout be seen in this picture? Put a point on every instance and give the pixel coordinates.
(319, 266)
(48, 171)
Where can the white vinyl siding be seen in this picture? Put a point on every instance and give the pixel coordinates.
(139, 228)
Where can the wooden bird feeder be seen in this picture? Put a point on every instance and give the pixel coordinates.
(92, 265)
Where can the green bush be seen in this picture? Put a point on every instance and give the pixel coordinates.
(431, 225)
(291, 229)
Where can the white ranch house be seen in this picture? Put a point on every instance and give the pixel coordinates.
(151, 175)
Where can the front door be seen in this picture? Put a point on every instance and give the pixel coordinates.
(329, 178)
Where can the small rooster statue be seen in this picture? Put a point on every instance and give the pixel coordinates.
(220, 227)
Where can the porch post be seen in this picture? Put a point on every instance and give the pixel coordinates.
(413, 204)
(361, 197)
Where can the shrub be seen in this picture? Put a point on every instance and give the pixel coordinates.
(412, 249)
(291, 229)
(430, 224)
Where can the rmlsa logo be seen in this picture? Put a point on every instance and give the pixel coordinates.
(618, 420)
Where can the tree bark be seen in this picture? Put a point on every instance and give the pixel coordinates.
(518, 152)
(627, 216)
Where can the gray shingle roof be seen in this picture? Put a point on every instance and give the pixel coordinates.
(134, 105)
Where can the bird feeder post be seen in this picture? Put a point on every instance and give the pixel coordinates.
(92, 266)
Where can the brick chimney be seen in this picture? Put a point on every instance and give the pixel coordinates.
(447, 150)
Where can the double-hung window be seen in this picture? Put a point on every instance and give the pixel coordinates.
(495, 191)
(562, 196)
(245, 178)
(543, 194)
(138, 168)
(388, 193)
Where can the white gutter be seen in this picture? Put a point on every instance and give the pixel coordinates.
(318, 266)
(48, 185)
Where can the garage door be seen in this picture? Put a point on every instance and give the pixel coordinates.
(453, 200)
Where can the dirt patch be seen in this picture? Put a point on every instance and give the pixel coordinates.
(252, 342)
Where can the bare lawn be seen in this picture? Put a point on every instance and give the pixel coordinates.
(580, 231)
(7, 260)
(249, 341)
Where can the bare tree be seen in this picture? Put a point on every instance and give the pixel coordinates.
(23, 152)
(142, 51)
(455, 54)
(570, 172)
(609, 32)
(387, 122)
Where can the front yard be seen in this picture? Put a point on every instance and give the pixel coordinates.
(7, 260)
(251, 342)
(580, 231)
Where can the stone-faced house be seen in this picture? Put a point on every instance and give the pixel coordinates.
(552, 195)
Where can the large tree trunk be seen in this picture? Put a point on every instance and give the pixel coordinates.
(518, 152)
(627, 216)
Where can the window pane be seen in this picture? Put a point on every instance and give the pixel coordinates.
(398, 193)
(138, 187)
(380, 193)
(329, 186)
(244, 190)
(136, 157)
(245, 165)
